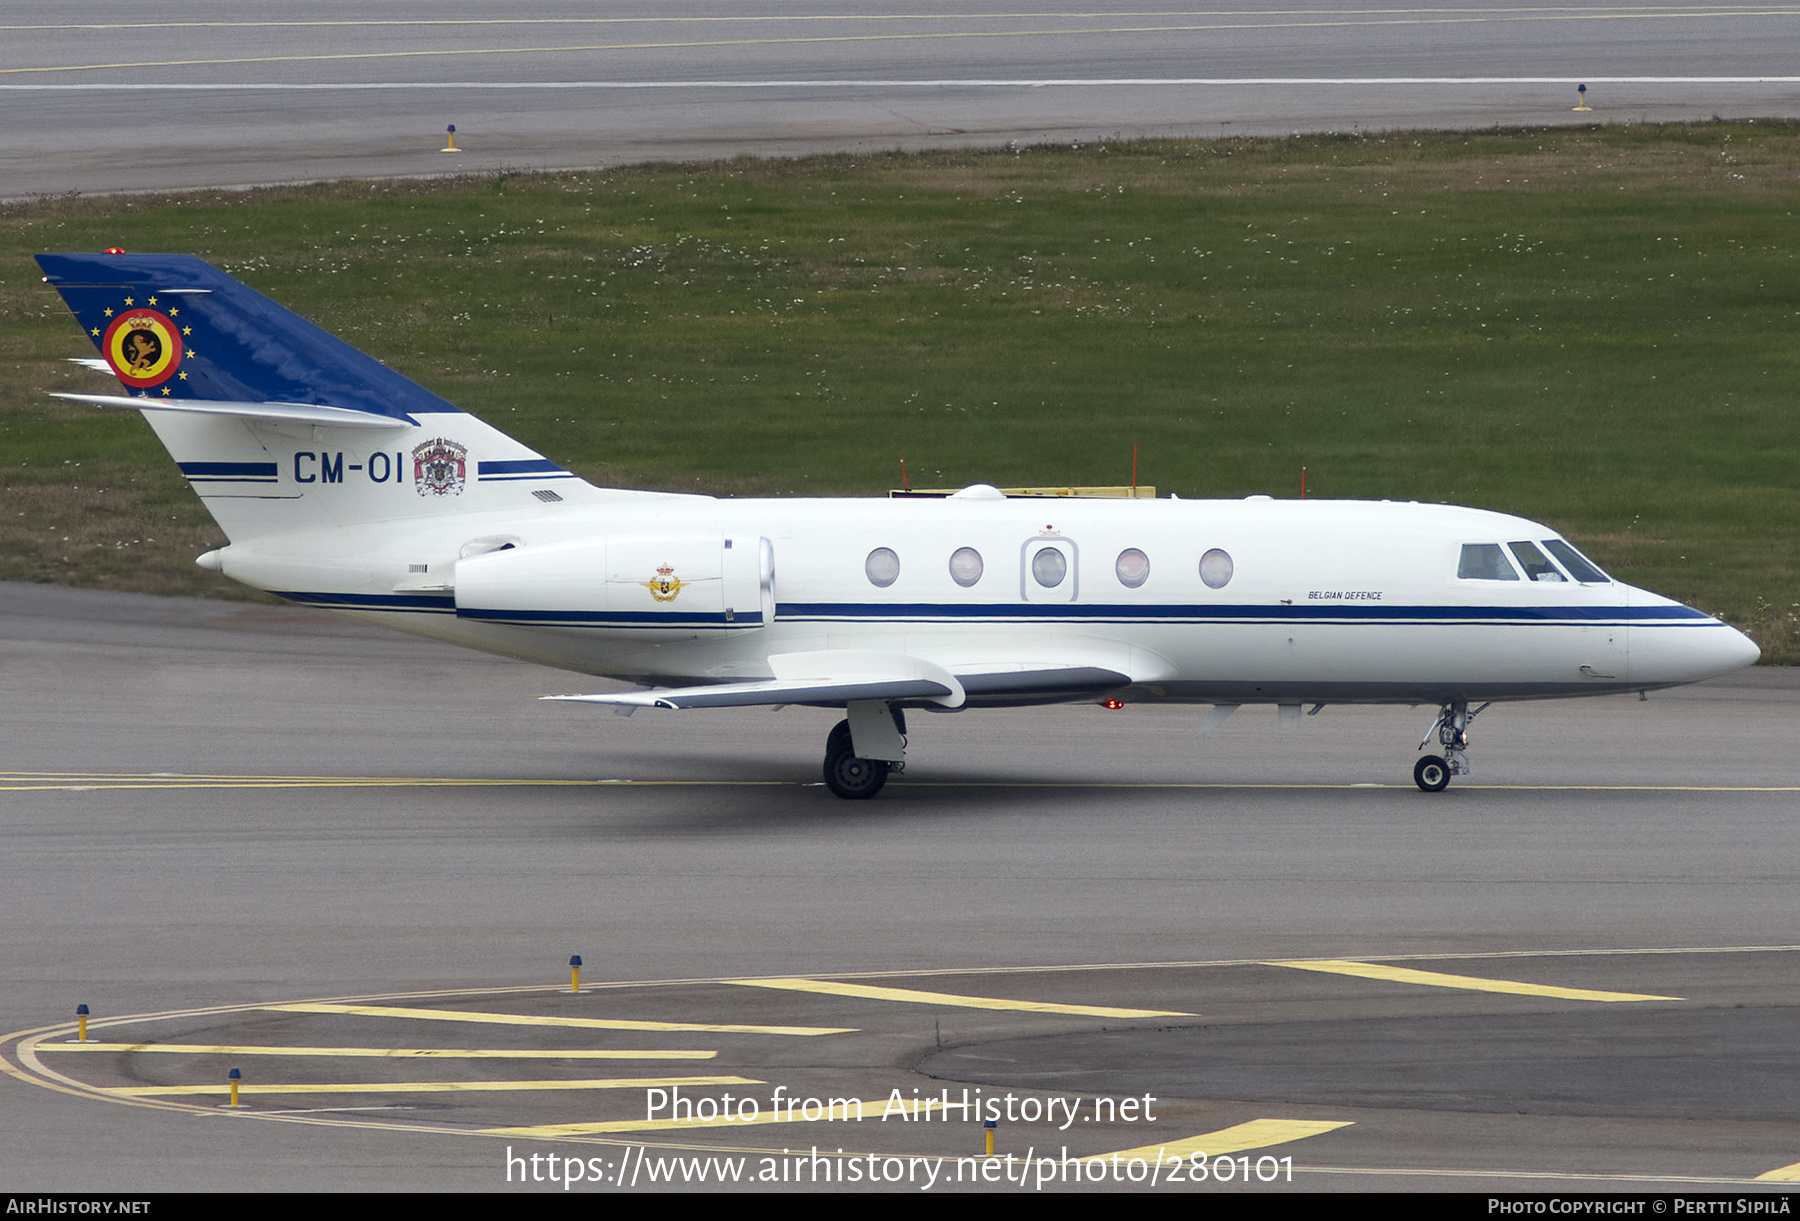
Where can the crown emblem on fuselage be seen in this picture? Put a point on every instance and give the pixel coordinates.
(664, 586)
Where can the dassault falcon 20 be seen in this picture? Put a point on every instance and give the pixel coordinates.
(341, 484)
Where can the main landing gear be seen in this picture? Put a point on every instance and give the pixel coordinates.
(883, 729)
(1432, 773)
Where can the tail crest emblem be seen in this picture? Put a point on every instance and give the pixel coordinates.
(440, 467)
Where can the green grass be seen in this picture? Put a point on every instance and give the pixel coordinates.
(1589, 327)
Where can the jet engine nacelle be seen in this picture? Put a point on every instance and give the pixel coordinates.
(686, 582)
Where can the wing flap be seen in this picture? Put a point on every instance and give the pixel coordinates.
(748, 695)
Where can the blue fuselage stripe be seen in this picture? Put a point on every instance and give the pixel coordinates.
(1334, 613)
(650, 619)
(1414, 616)
(229, 470)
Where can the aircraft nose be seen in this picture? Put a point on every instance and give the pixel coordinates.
(1737, 651)
(1690, 653)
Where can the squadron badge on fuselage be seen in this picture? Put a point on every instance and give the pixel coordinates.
(440, 467)
(664, 587)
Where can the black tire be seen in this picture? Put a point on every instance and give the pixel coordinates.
(1432, 774)
(851, 778)
(838, 739)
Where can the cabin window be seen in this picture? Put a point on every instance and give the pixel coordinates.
(1484, 562)
(1536, 567)
(883, 567)
(1133, 568)
(1216, 569)
(1576, 564)
(965, 566)
(1048, 567)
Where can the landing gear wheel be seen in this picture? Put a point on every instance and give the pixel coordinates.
(1432, 774)
(852, 778)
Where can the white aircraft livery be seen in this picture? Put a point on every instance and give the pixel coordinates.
(341, 484)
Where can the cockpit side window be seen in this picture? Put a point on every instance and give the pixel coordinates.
(1484, 562)
(1536, 567)
(1577, 564)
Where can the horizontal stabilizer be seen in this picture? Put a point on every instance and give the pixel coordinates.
(296, 413)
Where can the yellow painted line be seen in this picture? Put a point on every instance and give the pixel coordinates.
(422, 1087)
(1257, 1134)
(1786, 1174)
(526, 1019)
(1472, 983)
(392, 1053)
(1324, 22)
(870, 992)
(808, 18)
(35, 781)
(872, 1108)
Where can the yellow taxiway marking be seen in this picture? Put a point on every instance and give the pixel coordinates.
(84, 782)
(1783, 1174)
(1472, 983)
(1325, 20)
(911, 1108)
(816, 18)
(870, 992)
(1257, 1134)
(394, 1053)
(422, 1087)
(526, 1019)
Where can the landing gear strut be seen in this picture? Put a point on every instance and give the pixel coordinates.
(855, 778)
(1432, 773)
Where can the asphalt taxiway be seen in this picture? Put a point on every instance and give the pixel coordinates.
(120, 98)
(354, 866)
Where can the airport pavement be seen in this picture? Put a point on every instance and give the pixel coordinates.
(218, 808)
(223, 96)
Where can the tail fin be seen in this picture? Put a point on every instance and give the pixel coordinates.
(279, 426)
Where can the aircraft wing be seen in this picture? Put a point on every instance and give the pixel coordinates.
(838, 676)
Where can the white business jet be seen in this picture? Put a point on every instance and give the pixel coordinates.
(341, 484)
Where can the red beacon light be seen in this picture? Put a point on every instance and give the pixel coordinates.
(114, 250)
(1113, 705)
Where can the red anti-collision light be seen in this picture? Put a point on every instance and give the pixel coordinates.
(113, 250)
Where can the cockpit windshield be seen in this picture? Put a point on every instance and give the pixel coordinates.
(1536, 567)
(1577, 564)
(1484, 562)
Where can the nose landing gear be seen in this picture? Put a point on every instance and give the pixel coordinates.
(1432, 773)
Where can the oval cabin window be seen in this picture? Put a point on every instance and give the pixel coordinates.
(965, 566)
(1216, 569)
(883, 567)
(1133, 568)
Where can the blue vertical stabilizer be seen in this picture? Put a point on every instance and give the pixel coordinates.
(171, 327)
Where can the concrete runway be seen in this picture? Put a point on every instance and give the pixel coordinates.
(123, 99)
(217, 808)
